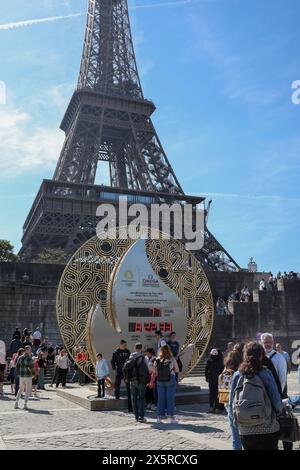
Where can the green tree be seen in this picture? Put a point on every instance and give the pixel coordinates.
(7, 252)
(51, 256)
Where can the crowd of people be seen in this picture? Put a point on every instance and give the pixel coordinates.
(250, 382)
(247, 381)
(26, 361)
(224, 305)
(150, 377)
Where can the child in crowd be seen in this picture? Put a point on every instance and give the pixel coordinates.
(102, 372)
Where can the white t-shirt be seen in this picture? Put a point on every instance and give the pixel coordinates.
(37, 335)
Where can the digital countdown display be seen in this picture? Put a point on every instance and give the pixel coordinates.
(142, 303)
(149, 327)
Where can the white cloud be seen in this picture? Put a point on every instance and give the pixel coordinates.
(22, 24)
(25, 147)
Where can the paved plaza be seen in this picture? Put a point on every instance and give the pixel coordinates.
(55, 423)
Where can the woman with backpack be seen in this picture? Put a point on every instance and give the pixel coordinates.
(166, 368)
(255, 401)
(232, 362)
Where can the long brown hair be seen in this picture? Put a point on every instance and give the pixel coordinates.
(233, 360)
(165, 352)
(253, 358)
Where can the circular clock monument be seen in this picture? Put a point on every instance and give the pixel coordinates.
(127, 288)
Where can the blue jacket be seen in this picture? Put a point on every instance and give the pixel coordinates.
(102, 369)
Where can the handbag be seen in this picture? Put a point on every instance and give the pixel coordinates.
(289, 427)
(223, 396)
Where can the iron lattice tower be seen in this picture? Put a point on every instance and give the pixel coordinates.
(108, 119)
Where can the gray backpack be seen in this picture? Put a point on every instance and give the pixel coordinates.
(251, 403)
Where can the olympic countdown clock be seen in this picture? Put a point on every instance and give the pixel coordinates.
(115, 289)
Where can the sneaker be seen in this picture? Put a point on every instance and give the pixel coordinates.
(159, 421)
(173, 420)
(142, 420)
(149, 407)
(153, 407)
(25, 406)
(16, 406)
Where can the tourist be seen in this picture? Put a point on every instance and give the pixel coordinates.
(229, 347)
(51, 354)
(221, 306)
(56, 368)
(25, 370)
(165, 368)
(231, 364)
(63, 364)
(175, 347)
(17, 334)
(81, 358)
(271, 281)
(102, 372)
(246, 294)
(254, 386)
(2, 365)
(36, 376)
(15, 345)
(42, 370)
(213, 369)
(286, 356)
(37, 337)
(44, 346)
(119, 357)
(278, 360)
(11, 374)
(262, 285)
(160, 340)
(27, 342)
(16, 372)
(24, 334)
(137, 375)
(151, 389)
(293, 400)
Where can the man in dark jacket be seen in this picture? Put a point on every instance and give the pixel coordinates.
(15, 345)
(214, 367)
(119, 357)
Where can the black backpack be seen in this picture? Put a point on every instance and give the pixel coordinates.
(163, 370)
(136, 369)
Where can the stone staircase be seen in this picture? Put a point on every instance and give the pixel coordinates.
(199, 370)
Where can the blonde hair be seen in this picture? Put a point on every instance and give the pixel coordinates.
(165, 352)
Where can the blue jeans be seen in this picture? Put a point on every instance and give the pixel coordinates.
(138, 399)
(166, 397)
(235, 437)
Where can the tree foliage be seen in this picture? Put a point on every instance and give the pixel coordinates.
(7, 252)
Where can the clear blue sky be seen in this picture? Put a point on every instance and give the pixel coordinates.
(220, 74)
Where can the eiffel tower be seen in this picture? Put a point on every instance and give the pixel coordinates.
(108, 120)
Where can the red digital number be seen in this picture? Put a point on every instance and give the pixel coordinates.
(153, 327)
(162, 327)
(156, 312)
(147, 327)
(168, 327)
(138, 327)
